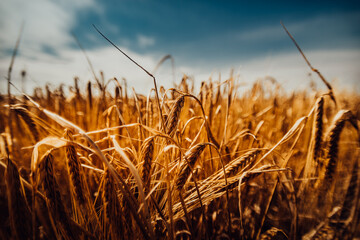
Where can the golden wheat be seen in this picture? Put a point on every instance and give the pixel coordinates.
(101, 164)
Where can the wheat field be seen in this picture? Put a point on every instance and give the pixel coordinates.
(220, 162)
(215, 164)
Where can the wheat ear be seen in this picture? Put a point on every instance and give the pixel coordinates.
(147, 151)
(55, 203)
(188, 163)
(74, 167)
(25, 115)
(318, 126)
(241, 162)
(112, 209)
(19, 212)
(333, 144)
(172, 120)
(273, 234)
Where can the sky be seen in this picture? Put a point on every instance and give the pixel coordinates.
(205, 38)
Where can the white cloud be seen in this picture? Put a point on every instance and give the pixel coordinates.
(48, 23)
(71, 63)
(145, 41)
(340, 67)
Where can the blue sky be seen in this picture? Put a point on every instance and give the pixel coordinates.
(204, 37)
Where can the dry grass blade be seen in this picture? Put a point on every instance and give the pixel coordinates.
(147, 72)
(89, 62)
(331, 93)
(293, 130)
(49, 141)
(162, 60)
